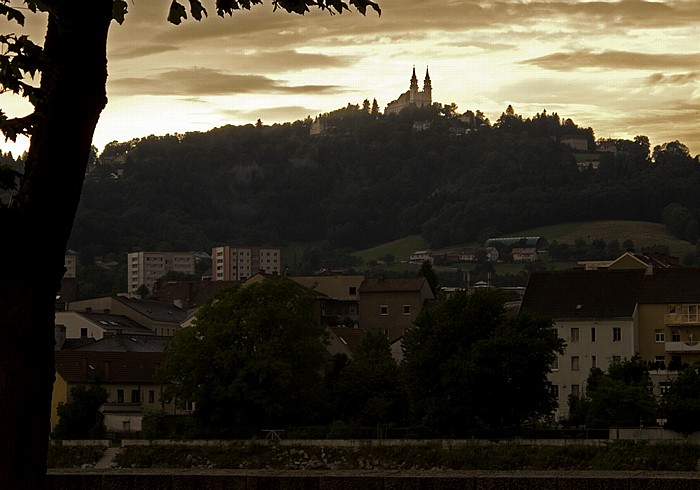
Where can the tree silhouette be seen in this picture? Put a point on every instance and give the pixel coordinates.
(48, 193)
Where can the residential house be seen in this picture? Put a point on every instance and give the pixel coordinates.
(128, 377)
(344, 340)
(189, 294)
(96, 325)
(160, 317)
(576, 142)
(669, 322)
(420, 256)
(339, 296)
(596, 314)
(528, 254)
(392, 304)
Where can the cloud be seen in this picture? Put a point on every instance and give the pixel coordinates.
(618, 60)
(678, 79)
(138, 51)
(274, 114)
(206, 81)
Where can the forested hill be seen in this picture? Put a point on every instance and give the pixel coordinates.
(369, 178)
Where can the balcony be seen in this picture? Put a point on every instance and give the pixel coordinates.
(688, 347)
(690, 318)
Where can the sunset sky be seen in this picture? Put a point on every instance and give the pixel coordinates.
(623, 68)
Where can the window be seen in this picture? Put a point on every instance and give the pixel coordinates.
(352, 290)
(555, 391)
(384, 309)
(555, 364)
(406, 309)
(617, 334)
(675, 336)
(135, 396)
(574, 334)
(575, 363)
(659, 335)
(592, 334)
(660, 362)
(575, 390)
(151, 396)
(83, 333)
(616, 359)
(664, 386)
(594, 361)
(120, 396)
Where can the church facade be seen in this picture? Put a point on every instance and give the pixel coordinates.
(414, 97)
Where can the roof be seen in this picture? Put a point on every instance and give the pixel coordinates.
(336, 286)
(127, 343)
(681, 285)
(583, 293)
(107, 367)
(160, 311)
(392, 284)
(192, 294)
(115, 323)
(350, 337)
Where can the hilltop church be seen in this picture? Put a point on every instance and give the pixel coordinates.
(413, 97)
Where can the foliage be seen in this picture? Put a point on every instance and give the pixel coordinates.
(680, 405)
(81, 417)
(621, 396)
(252, 360)
(467, 366)
(614, 456)
(61, 456)
(427, 271)
(368, 390)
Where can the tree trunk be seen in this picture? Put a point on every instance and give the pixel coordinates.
(36, 229)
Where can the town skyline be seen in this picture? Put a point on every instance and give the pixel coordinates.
(622, 68)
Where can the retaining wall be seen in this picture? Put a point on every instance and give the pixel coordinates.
(374, 480)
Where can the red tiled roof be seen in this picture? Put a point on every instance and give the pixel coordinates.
(583, 293)
(108, 367)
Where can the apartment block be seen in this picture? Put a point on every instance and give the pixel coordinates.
(145, 268)
(232, 263)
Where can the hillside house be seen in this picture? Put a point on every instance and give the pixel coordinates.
(420, 256)
(528, 254)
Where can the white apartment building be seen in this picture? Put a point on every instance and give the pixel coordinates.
(145, 268)
(232, 263)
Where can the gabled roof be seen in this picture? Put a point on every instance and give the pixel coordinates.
(108, 367)
(115, 323)
(127, 343)
(681, 285)
(393, 284)
(583, 293)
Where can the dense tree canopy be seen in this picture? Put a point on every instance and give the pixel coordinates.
(252, 360)
(468, 366)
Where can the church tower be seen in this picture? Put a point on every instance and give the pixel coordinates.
(414, 87)
(427, 87)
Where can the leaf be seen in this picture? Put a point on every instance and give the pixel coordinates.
(196, 9)
(119, 10)
(12, 14)
(177, 13)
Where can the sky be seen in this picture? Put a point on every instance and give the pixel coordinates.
(623, 68)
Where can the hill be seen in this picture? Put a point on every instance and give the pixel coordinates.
(364, 180)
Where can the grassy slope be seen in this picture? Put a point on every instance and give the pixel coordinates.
(642, 233)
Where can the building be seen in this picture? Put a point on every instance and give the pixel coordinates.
(233, 263)
(596, 314)
(159, 317)
(392, 304)
(413, 97)
(145, 268)
(338, 297)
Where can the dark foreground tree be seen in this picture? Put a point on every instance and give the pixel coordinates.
(81, 417)
(469, 367)
(253, 360)
(680, 405)
(37, 221)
